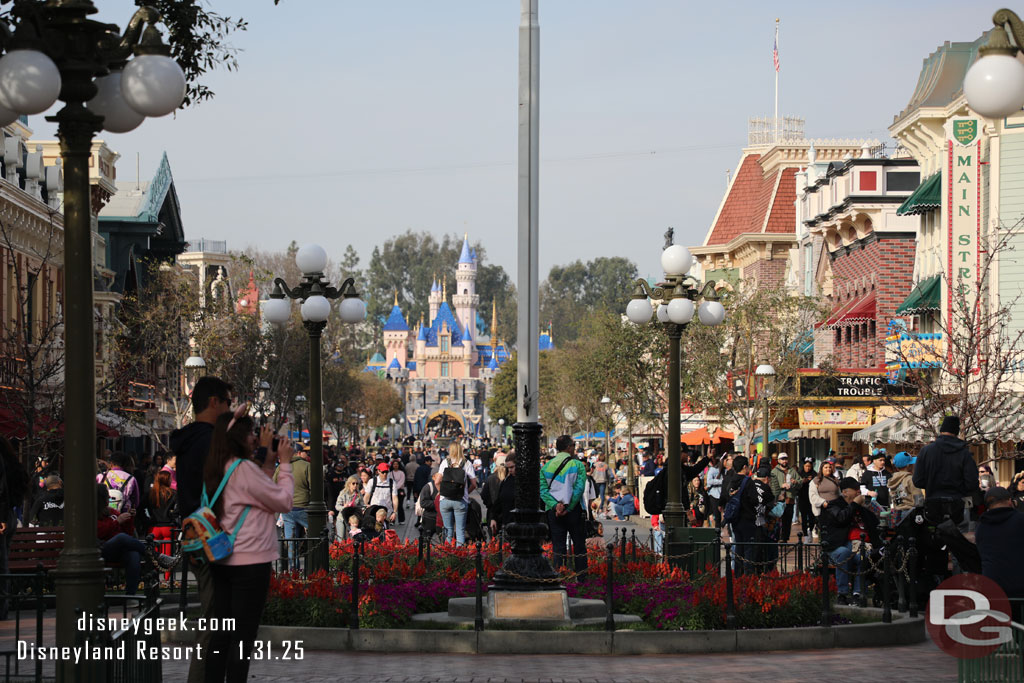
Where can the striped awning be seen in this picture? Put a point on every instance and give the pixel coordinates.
(1004, 422)
(896, 429)
(927, 197)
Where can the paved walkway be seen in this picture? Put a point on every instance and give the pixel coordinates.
(909, 664)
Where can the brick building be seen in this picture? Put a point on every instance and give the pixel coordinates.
(753, 235)
(865, 250)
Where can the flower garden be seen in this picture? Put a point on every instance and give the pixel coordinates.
(394, 584)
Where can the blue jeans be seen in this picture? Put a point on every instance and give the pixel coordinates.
(453, 512)
(846, 561)
(600, 489)
(297, 518)
(623, 510)
(659, 540)
(127, 550)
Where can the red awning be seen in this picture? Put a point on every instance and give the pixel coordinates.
(856, 310)
(721, 435)
(697, 437)
(12, 425)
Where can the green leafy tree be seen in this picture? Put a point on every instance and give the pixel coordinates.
(409, 263)
(572, 292)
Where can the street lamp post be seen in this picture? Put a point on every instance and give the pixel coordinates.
(300, 410)
(606, 404)
(766, 372)
(501, 430)
(393, 423)
(994, 85)
(678, 295)
(359, 428)
(339, 414)
(316, 294)
(107, 81)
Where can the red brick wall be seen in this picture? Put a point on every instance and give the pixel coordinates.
(884, 266)
(763, 273)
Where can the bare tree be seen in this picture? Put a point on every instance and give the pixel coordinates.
(968, 359)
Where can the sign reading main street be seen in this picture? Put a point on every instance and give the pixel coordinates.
(962, 183)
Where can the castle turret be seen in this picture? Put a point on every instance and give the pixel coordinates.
(465, 300)
(396, 336)
(434, 299)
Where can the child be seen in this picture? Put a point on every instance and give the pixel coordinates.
(659, 535)
(623, 504)
(354, 531)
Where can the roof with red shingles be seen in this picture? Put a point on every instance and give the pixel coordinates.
(750, 197)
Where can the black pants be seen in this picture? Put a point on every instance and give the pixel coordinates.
(572, 524)
(240, 593)
(786, 523)
(807, 521)
(715, 510)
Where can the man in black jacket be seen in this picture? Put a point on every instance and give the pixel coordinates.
(841, 519)
(947, 472)
(1000, 539)
(211, 398)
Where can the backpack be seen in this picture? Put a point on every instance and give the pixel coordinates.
(656, 493)
(732, 507)
(118, 486)
(202, 537)
(453, 482)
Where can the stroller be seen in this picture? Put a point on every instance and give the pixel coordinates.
(367, 525)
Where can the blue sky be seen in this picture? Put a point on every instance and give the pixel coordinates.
(349, 122)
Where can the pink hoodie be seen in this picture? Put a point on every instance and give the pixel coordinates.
(256, 542)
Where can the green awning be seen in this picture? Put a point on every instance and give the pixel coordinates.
(925, 297)
(927, 197)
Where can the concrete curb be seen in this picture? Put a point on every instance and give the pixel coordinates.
(902, 631)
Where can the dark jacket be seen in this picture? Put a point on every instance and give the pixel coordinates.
(877, 481)
(490, 491)
(334, 481)
(748, 501)
(505, 502)
(48, 508)
(428, 496)
(945, 469)
(191, 444)
(163, 514)
(686, 474)
(839, 517)
(1000, 540)
(421, 478)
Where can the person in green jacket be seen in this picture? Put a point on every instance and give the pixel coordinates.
(563, 480)
(785, 484)
(298, 518)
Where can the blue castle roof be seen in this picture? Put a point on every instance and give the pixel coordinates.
(444, 315)
(422, 336)
(394, 365)
(396, 321)
(545, 342)
(467, 253)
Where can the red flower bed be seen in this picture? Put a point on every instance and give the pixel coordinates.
(393, 586)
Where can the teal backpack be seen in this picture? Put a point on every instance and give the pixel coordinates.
(202, 537)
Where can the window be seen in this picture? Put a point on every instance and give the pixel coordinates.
(445, 343)
(444, 370)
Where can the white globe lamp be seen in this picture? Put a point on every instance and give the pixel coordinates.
(277, 311)
(118, 115)
(311, 258)
(662, 313)
(352, 310)
(316, 309)
(153, 85)
(639, 311)
(676, 260)
(680, 311)
(29, 81)
(711, 313)
(994, 86)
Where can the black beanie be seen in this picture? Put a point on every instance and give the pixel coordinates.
(951, 425)
(849, 483)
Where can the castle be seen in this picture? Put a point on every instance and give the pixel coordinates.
(444, 369)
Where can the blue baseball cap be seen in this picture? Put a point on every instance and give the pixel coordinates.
(902, 459)
(877, 452)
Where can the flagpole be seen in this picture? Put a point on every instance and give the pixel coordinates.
(776, 83)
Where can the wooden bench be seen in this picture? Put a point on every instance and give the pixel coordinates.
(32, 546)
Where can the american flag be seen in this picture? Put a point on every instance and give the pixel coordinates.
(775, 49)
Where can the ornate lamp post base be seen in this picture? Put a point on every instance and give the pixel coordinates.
(526, 568)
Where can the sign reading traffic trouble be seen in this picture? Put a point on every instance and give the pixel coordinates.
(848, 386)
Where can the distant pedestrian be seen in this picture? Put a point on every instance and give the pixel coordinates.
(562, 484)
(946, 471)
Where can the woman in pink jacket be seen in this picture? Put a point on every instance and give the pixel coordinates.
(241, 581)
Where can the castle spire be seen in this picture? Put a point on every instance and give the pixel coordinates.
(396, 296)
(444, 289)
(494, 322)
